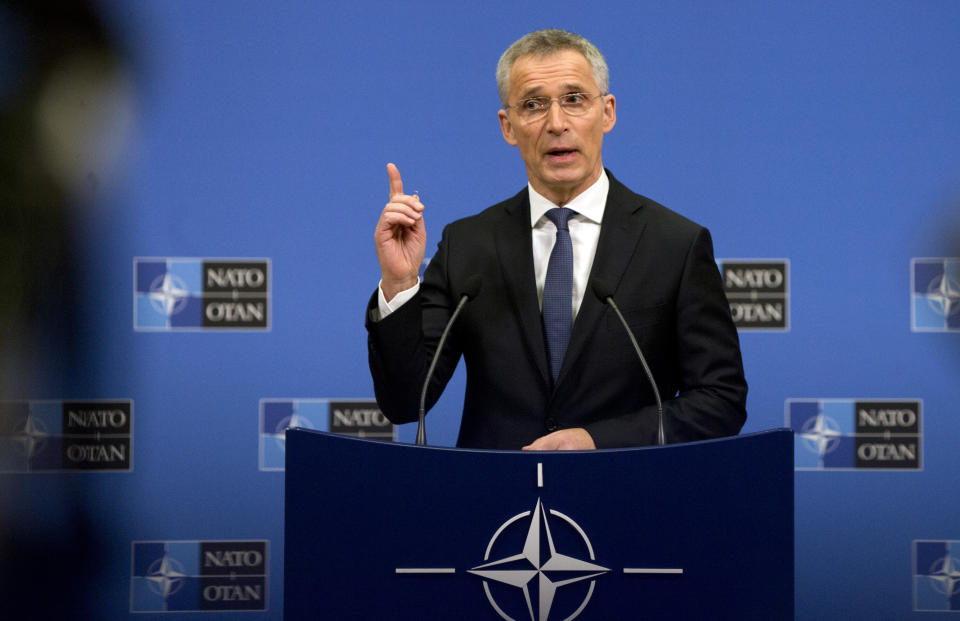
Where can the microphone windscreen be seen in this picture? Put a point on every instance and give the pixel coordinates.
(471, 288)
(602, 289)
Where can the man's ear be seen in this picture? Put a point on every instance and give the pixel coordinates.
(609, 112)
(507, 128)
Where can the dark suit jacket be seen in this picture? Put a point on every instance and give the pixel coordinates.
(667, 285)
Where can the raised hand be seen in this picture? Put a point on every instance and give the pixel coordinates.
(401, 238)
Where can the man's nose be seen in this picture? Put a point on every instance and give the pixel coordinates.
(556, 117)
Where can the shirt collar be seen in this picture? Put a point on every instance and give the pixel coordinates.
(589, 203)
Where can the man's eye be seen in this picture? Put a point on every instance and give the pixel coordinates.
(573, 99)
(532, 105)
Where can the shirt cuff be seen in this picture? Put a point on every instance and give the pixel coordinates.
(398, 300)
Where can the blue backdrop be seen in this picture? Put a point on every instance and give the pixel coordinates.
(821, 133)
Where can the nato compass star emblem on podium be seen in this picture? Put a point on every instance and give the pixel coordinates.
(540, 568)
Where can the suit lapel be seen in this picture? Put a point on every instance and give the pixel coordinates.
(515, 251)
(620, 232)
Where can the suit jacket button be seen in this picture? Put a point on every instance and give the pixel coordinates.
(552, 424)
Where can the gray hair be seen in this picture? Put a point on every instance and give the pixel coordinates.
(544, 43)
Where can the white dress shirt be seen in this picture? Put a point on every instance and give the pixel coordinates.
(584, 235)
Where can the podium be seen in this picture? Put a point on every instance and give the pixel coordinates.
(697, 531)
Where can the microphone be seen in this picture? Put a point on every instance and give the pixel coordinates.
(604, 291)
(470, 290)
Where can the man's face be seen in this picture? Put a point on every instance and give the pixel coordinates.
(561, 151)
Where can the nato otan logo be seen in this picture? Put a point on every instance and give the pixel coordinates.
(758, 291)
(854, 434)
(360, 418)
(51, 436)
(198, 576)
(539, 564)
(186, 294)
(936, 576)
(935, 294)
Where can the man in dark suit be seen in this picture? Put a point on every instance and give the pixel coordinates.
(548, 364)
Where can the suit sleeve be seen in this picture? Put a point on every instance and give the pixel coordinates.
(711, 398)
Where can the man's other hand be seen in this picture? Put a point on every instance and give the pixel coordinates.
(401, 238)
(564, 440)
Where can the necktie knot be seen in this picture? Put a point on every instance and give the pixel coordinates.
(559, 216)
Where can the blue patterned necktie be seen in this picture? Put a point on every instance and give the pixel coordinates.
(558, 291)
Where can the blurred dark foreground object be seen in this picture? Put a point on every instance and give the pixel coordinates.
(60, 75)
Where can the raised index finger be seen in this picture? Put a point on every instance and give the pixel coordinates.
(396, 183)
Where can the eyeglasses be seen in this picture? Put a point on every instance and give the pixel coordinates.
(535, 108)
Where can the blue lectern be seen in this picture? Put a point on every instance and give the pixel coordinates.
(696, 531)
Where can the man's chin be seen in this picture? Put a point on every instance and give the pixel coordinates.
(564, 178)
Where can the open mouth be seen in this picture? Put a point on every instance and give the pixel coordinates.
(561, 153)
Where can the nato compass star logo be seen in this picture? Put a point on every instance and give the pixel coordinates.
(278, 415)
(935, 294)
(943, 295)
(821, 434)
(945, 575)
(168, 294)
(538, 570)
(165, 576)
(33, 436)
(936, 575)
(294, 421)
